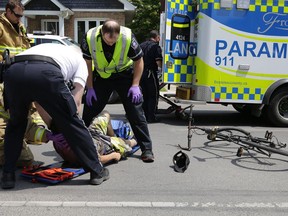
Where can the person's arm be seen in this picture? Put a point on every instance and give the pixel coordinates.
(87, 57)
(138, 70)
(159, 64)
(109, 157)
(159, 57)
(89, 82)
(44, 115)
(78, 93)
(136, 54)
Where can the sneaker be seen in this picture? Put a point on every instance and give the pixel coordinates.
(8, 180)
(147, 156)
(98, 178)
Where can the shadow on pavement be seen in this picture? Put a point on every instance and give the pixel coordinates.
(249, 160)
(214, 118)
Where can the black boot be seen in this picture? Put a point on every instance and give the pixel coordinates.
(8, 180)
(147, 156)
(98, 178)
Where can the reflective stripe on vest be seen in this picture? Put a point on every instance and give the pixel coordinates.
(120, 60)
(13, 50)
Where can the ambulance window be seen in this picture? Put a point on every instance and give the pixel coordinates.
(226, 3)
(243, 4)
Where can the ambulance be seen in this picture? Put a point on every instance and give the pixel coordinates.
(230, 52)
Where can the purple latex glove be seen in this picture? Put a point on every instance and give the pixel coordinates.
(89, 95)
(61, 143)
(135, 94)
(57, 138)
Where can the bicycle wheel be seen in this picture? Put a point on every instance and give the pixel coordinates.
(228, 134)
(240, 137)
(240, 132)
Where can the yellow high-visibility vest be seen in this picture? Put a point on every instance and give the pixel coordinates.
(120, 60)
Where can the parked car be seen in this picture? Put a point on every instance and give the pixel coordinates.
(39, 37)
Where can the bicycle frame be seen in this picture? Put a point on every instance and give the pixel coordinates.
(245, 140)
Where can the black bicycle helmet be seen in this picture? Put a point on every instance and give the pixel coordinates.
(181, 162)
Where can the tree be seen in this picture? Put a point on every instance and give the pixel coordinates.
(147, 18)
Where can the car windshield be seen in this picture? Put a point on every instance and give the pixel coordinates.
(70, 41)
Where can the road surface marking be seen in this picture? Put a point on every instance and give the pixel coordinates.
(281, 205)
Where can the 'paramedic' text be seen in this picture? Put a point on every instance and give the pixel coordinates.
(250, 48)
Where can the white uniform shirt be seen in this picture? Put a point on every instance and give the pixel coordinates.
(73, 66)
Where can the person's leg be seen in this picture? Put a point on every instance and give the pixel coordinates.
(153, 86)
(100, 123)
(79, 138)
(138, 124)
(17, 97)
(135, 114)
(14, 134)
(57, 100)
(103, 92)
(13, 142)
(110, 131)
(50, 91)
(146, 94)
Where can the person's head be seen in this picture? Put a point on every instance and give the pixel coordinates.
(14, 11)
(154, 35)
(110, 31)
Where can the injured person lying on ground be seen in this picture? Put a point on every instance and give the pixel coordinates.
(110, 148)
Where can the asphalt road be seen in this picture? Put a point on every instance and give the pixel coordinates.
(217, 182)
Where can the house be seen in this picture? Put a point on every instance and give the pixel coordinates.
(72, 17)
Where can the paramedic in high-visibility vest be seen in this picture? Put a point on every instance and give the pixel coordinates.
(118, 65)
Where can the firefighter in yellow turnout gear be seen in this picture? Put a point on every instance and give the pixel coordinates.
(12, 32)
(13, 37)
(35, 134)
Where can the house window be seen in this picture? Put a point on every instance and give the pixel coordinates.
(83, 25)
(50, 25)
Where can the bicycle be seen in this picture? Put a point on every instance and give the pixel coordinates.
(267, 145)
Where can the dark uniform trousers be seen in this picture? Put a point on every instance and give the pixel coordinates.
(150, 88)
(43, 82)
(120, 82)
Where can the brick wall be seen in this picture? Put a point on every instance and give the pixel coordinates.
(35, 24)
